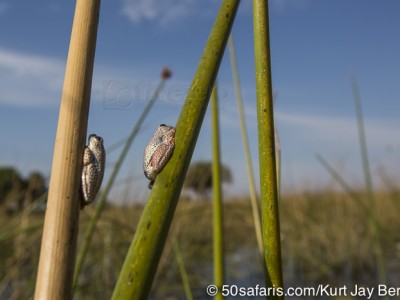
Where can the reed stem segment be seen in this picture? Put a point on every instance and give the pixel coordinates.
(141, 262)
(218, 220)
(266, 145)
(57, 256)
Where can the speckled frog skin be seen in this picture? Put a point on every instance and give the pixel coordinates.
(94, 158)
(158, 151)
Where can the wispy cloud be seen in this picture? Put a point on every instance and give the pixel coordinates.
(164, 12)
(26, 64)
(380, 132)
(28, 79)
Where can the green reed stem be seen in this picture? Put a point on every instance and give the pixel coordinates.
(368, 182)
(182, 271)
(218, 219)
(249, 166)
(141, 262)
(266, 141)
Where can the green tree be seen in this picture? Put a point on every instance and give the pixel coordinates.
(36, 187)
(11, 183)
(16, 192)
(199, 177)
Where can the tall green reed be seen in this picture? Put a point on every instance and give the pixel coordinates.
(141, 262)
(249, 167)
(266, 141)
(368, 183)
(182, 270)
(218, 216)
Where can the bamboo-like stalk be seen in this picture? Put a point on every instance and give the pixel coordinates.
(57, 256)
(182, 271)
(368, 182)
(104, 194)
(141, 262)
(249, 166)
(268, 176)
(218, 218)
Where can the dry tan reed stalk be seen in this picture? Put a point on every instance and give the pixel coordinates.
(57, 256)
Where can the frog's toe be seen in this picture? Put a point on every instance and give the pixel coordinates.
(151, 184)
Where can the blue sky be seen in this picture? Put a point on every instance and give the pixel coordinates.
(317, 46)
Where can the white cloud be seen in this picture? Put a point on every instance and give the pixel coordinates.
(28, 79)
(139, 10)
(26, 64)
(380, 132)
(336, 138)
(168, 11)
(164, 12)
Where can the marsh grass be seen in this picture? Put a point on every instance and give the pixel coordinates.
(339, 244)
(325, 239)
(367, 207)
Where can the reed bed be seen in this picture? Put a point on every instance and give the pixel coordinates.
(316, 248)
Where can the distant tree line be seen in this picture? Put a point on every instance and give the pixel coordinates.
(17, 192)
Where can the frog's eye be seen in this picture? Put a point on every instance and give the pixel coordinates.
(162, 125)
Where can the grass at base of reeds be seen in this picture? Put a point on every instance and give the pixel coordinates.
(325, 239)
(328, 235)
